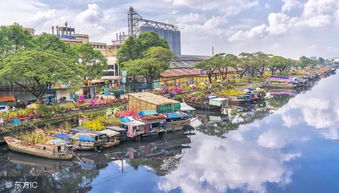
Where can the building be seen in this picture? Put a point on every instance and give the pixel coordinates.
(138, 25)
(172, 36)
(68, 35)
(148, 101)
(183, 71)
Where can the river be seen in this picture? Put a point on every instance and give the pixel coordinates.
(289, 144)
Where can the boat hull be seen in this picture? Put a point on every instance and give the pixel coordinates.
(202, 106)
(13, 145)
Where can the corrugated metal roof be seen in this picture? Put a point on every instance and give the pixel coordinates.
(181, 72)
(153, 98)
(178, 72)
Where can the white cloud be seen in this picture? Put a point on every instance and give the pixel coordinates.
(189, 18)
(93, 14)
(238, 166)
(228, 7)
(290, 5)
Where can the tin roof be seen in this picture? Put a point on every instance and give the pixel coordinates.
(181, 72)
(152, 98)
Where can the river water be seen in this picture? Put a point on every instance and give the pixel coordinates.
(289, 144)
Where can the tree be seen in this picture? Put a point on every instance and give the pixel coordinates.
(131, 49)
(306, 62)
(151, 39)
(276, 63)
(13, 38)
(51, 42)
(228, 61)
(5, 44)
(134, 48)
(247, 63)
(209, 65)
(156, 60)
(321, 60)
(91, 61)
(38, 70)
(261, 60)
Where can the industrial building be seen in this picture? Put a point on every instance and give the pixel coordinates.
(138, 25)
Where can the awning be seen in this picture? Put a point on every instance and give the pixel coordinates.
(86, 138)
(186, 107)
(58, 142)
(175, 115)
(147, 112)
(134, 123)
(125, 120)
(109, 133)
(62, 135)
(7, 98)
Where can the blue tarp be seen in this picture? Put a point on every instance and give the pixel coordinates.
(63, 135)
(147, 112)
(86, 138)
(125, 120)
(59, 142)
(174, 115)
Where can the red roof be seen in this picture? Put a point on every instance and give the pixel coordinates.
(181, 72)
(187, 72)
(7, 98)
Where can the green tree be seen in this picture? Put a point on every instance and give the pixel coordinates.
(151, 39)
(276, 63)
(261, 62)
(228, 61)
(134, 48)
(91, 61)
(210, 66)
(131, 49)
(321, 60)
(247, 64)
(46, 41)
(35, 70)
(156, 60)
(306, 62)
(13, 38)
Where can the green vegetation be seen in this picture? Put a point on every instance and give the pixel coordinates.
(134, 48)
(147, 55)
(254, 65)
(156, 61)
(34, 63)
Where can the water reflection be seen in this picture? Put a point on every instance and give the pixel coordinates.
(255, 148)
(257, 154)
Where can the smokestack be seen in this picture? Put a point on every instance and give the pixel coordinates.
(53, 30)
(66, 28)
(57, 30)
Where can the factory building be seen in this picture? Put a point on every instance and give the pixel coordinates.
(172, 36)
(138, 25)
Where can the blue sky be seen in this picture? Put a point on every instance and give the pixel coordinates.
(282, 27)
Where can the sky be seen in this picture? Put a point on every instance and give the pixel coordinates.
(289, 28)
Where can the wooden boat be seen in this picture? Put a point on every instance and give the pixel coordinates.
(247, 98)
(112, 137)
(90, 140)
(281, 86)
(50, 151)
(202, 106)
(122, 132)
(177, 121)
